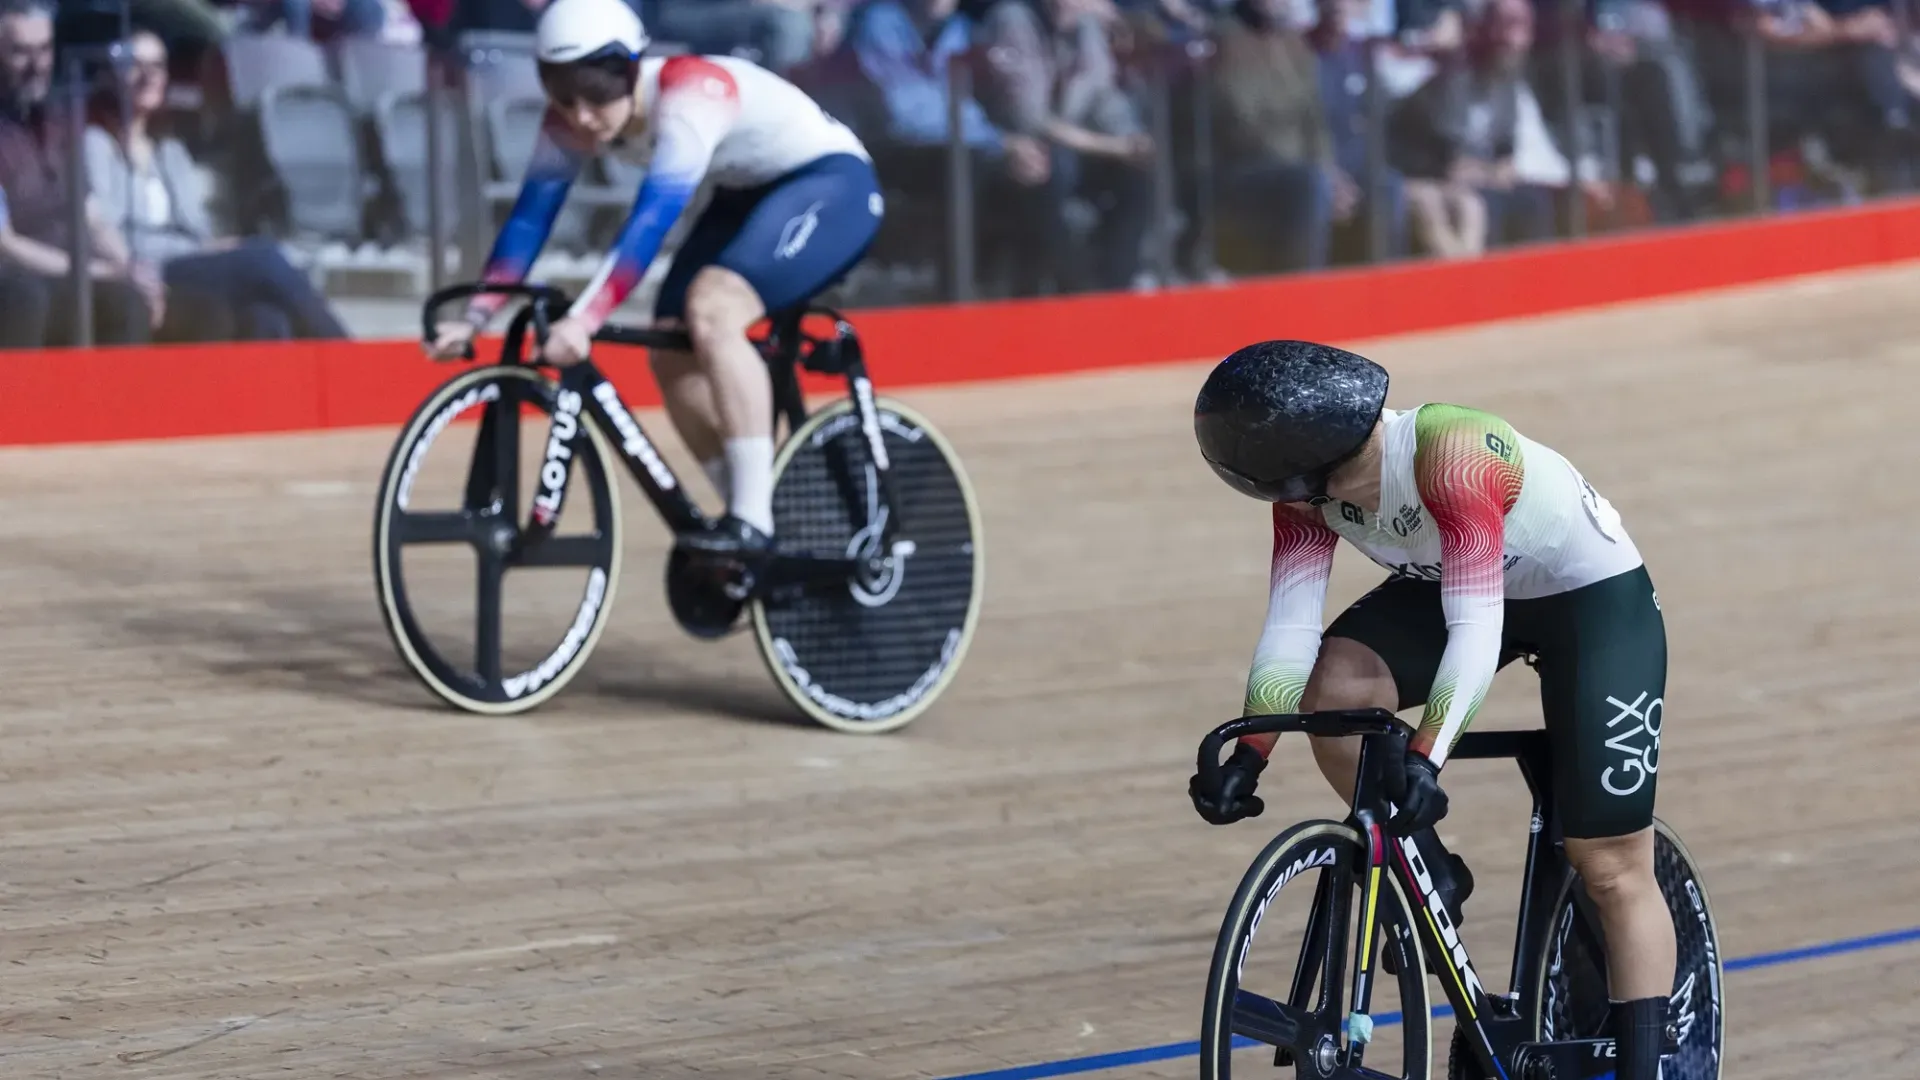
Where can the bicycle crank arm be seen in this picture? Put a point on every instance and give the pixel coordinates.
(1570, 1059)
(788, 570)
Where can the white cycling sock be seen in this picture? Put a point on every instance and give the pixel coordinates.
(716, 470)
(750, 476)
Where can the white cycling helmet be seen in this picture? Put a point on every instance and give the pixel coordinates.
(587, 47)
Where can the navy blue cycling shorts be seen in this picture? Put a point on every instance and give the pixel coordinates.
(791, 239)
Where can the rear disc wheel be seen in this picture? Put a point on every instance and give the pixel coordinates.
(871, 653)
(1573, 967)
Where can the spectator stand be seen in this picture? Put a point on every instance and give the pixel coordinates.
(1179, 247)
(385, 169)
(349, 137)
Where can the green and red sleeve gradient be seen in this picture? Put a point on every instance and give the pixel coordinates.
(1467, 468)
(1290, 641)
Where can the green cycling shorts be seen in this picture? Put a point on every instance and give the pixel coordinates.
(1601, 654)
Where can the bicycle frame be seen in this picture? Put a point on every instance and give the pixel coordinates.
(1499, 1028)
(584, 388)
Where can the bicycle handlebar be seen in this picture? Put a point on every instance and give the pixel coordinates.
(1329, 722)
(543, 296)
(545, 299)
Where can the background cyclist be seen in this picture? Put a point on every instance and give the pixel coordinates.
(795, 205)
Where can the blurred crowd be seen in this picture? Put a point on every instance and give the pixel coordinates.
(1108, 144)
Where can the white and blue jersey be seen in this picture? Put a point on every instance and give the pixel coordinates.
(795, 203)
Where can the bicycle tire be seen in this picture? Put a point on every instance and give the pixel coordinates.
(464, 688)
(860, 661)
(1283, 862)
(1571, 990)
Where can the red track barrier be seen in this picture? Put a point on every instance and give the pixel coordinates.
(64, 396)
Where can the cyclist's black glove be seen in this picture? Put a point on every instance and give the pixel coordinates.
(1235, 798)
(1415, 790)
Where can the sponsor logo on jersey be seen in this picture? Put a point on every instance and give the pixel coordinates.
(1641, 756)
(1407, 521)
(798, 230)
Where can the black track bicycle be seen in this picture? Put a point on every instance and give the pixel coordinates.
(863, 616)
(1373, 908)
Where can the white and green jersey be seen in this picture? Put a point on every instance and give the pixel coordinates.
(1467, 502)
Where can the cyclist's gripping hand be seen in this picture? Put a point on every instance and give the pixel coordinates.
(1234, 799)
(452, 340)
(1415, 790)
(568, 342)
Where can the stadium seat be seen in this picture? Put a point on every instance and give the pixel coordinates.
(484, 42)
(513, 124)
(256, 63)
(400, 120)
(373, 71)
(494, 74)
(310, 143)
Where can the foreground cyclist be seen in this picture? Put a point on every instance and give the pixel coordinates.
(796, 205)
(1498, 548)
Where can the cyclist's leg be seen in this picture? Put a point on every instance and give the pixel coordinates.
(1603, 670)
(800, 236)
(684, 385)
(1348, 675)
(1398, 630)
(721, 307)
(1382, 652)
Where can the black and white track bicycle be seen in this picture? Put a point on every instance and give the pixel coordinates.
(863, 616)
(1373, 905)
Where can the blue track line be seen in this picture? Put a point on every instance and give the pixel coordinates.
(1169, 1051)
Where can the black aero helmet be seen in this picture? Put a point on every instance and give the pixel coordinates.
(1275, 418)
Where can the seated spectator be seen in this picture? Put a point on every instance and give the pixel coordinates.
(1520, 209)
(1455, 137)
(780, 32)
(1169, 20)
(444, 20)
(1416, 38)
(36, 212)
(1834, 68)
(189, 27)
(1345, 74)
(320, 20)
(1277, 176)
(1050, 74)
(903, 49)
(1542, 175)
(1663, 110)
(830, 75)
(149, 189)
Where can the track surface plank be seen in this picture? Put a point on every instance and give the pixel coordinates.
(240, 842)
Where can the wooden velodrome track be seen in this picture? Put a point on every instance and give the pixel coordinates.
(240, 842)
